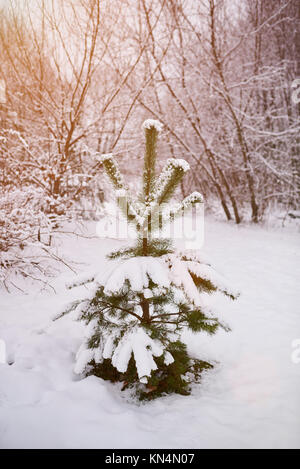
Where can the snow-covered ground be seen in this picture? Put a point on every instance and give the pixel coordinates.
(250, 399)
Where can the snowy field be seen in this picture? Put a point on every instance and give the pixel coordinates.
(250, 400)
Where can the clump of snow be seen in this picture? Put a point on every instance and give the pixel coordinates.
(193, 198)
(108, 348)
(150, 123)
(179, 163)
(168, 358)
(138, 342)
(148, 293)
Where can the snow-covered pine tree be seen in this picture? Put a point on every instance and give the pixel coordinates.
(135, 313)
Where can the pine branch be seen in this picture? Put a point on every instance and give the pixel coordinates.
(124, 201)
(152, 128)
(156, 248)
(182, 208)
(113, 172)
(169, 179)
(121, 309)
(166, 314)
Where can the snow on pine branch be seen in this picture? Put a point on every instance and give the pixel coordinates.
(138, 271)
(170, 213)
(207, 273)
(112, 170)
(135, 342)
(138, 342)
(66, 309)
(193, 255)
(169, 178)
(179, 163)
(127, 206)
(81, 280)
(180, 276)
(194, 198)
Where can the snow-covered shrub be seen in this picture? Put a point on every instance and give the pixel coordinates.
(24, 229)
(135, 312)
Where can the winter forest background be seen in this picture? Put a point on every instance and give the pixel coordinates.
(77, 79)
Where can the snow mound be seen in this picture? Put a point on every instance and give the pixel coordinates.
(250, 401)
